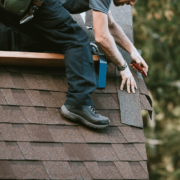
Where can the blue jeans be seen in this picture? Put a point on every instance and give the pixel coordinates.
(54, 29)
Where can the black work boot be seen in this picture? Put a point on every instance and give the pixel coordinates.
(85, 114)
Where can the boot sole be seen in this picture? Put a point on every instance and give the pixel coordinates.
(65, 112)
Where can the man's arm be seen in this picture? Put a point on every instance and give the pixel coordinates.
(105, 40)
(123, 41)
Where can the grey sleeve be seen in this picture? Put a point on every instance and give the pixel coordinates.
(100, 5)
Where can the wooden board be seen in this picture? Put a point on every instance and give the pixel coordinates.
(34, 59)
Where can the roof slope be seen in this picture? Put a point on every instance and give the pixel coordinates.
(37, 142)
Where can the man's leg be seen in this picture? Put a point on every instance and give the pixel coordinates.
(54, 25)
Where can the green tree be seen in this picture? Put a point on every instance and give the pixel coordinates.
(157, 34)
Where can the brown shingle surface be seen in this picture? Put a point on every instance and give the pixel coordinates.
(6, 171)
(138, 170)
(6, 80)
(94, 170)
(7, 132)
(125, 170)
(7, 93)
(109, 170)
(34, 97)
(66, 134)
(103, 152)
(40, 143)
(28, 170)
(49, 151)
(39, 133)
(20, 132)
(79, 152)
(14, 151)
(132, 152)
(59, 170)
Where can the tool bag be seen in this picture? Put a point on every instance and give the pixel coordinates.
(17, 7)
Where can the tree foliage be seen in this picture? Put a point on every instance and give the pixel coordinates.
(157, 34)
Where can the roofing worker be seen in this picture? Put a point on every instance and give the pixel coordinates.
(53, 25)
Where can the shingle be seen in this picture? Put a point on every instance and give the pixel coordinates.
(6, 113)
(138, 170)
(21, 97)
(145, 102)
(89, 18)
(132, 152)
(75, 170)
(48, 82)
(39, 133)
(59, 97)
(2, 99)
(7, 93)
(142, 150)
(34, 97)
(94, 170)
(78, 152)
(57, 117)
(28, 170)
(33, 81)
(83, 170)
(20, 132)
(3, 117)
(107, 101)
(48, 99)
(59, 170)
(103, 152)
(109, 170)
(111, 70)
(125, 170)
(27, 150)
(142, 86)
(30, 114)
(43, 116)
(96, 101)
(13, 68)
(6, 171)
(144, 165)
(101, 136)
(110, 86)
(115, 96)
(19, 81)
(49, 151)
(6, 80)
(139, 134)
(14, 151)
(128, 134)
(118, 136)
(4, 154)
(15, 115)
(60, 83)
(7, 132)
(115, 117)
(121, 152)
(66, 134)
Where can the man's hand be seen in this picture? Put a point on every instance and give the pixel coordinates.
(128, 79)
(139, 60)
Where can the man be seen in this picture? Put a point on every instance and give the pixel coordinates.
(55, 29)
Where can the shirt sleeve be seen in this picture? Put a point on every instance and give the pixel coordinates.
(100, 5)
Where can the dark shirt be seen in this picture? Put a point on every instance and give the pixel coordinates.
(79, 6)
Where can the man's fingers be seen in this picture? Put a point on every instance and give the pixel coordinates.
(128, 85)
(122, 84)
(133, 85)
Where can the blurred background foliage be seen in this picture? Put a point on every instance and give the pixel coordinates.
(157, 34)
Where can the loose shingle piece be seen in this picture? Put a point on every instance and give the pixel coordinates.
(37, 142)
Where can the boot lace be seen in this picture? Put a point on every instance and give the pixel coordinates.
(93, 109)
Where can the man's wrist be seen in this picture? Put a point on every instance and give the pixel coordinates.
(123, 67)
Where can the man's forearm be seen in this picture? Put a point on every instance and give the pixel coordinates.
(110, 49)
(120, 38)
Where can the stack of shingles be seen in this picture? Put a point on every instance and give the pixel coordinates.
(36, 142)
